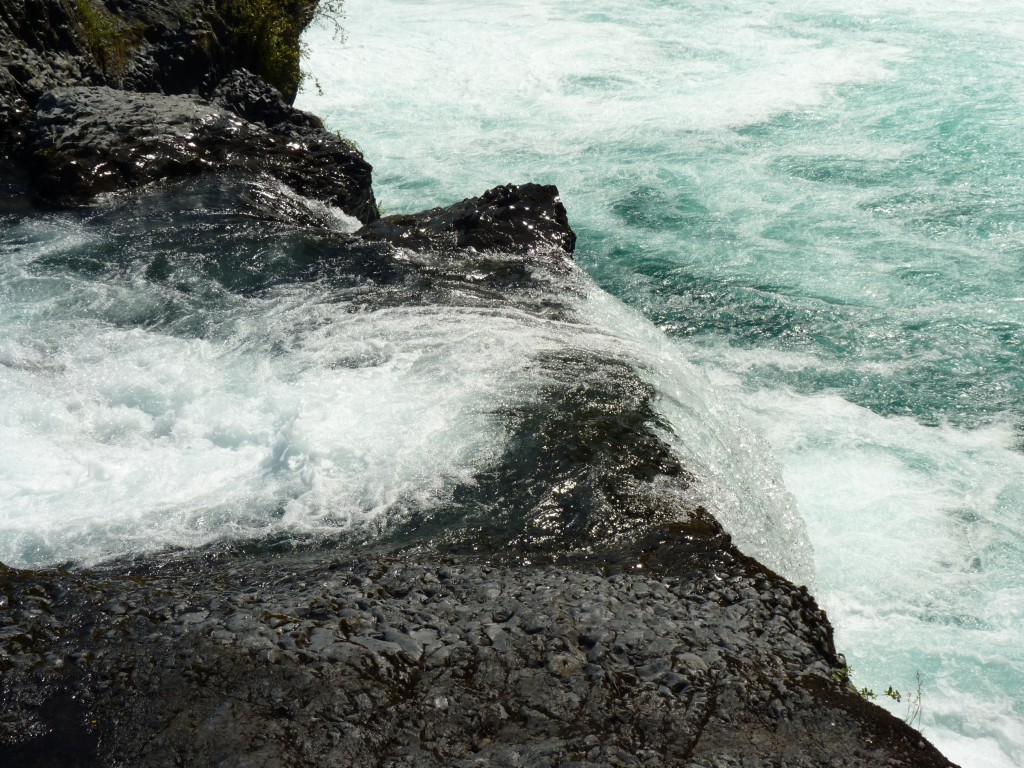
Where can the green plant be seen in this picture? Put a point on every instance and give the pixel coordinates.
(844, 676)
(110, 37)
(331, 12)
(349, 144)
(913, 716)
(270, 32)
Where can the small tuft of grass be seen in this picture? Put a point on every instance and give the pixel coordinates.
(110, 37)
(844, 676)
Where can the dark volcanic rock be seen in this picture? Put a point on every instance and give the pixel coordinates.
(89, 140)
(161, 46)
(249, 97)
(51, 66)
(304, 660)
(41, 47)
(176, 46)
(511, 219)
(583, 477)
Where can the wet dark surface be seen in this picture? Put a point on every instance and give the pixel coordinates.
(320, 658)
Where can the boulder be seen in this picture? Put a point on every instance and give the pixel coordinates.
(319, 660)
(85, 141)
(520, 219)
(251, 98)
(149, 46)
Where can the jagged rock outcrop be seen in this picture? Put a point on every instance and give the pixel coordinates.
(509, 219)
(79, 124)
(40, 48)
(158, 46)
(90, 140)
(252, 99)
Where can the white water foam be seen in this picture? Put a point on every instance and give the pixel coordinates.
(129, 440)
(916, 531)
(294, 414)
(737, 478)
(480, 95)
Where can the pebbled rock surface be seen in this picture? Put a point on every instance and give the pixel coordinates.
(252, 99)
(168, 46)
(309, 659)
(510, 219)
(90, 140)
(171, 46)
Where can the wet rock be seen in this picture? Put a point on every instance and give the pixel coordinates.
(89, 140)
(168, 46)
(144, 693)
(152, 48)
(158, 46)
(527, 218)
(41, 47)
(254, 100)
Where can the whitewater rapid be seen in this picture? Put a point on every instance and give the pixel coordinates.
(169, 383)
(820, 206)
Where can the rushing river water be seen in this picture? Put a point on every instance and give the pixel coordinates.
(822, 207)
(801, 226)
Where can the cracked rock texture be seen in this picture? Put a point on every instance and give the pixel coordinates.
(169, 46)
(308, 659)
(70, 129)
(510, 219)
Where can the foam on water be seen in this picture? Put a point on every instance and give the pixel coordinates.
(293, 414)
(737, 478)
(822, 203)
(541, 87)
(918, 537)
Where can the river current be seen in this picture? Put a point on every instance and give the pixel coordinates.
(799, 224)
(821, 206)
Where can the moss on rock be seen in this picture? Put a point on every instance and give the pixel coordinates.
(110, 37)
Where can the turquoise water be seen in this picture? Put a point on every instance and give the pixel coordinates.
(822, 207)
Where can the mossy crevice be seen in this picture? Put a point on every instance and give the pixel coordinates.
(268, 33)
(111, 38)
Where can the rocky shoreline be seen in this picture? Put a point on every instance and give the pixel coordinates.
(565, 609)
